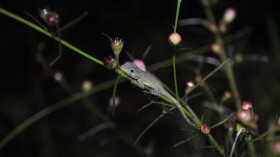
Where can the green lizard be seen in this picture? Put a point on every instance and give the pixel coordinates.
(142, 78)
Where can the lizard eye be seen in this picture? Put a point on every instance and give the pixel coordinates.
(131, 71)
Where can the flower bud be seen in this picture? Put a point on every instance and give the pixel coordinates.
(246, 105)
(226, 96)
(140, 64)
(111, 106)
(247, 118)
(205, 129)
(50, 17)
(189, 85)
(58, 76)
(229, 15)
(175, 38)
(244, 115)
(216, 48)
(117, 101)
(276, 146)
(87, 85)
(212, 27)
(110, 62)
(117, 45)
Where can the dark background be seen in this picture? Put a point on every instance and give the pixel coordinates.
(26, 87)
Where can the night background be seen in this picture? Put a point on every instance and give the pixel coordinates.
(28, 83)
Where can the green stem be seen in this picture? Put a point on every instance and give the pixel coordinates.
(175, 76)
(187, 112)
(213, 141)
(208, 76)
(222, 55)
(174, 57)
(229, 73)
(177, 15)
(39, 29)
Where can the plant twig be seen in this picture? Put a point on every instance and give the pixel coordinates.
(223, 57)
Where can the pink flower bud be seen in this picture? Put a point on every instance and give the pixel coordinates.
(229, 15)
(246, 105)
(205, 129)
(140, 64)
(244, 116)
(276, 146)
(227, 94)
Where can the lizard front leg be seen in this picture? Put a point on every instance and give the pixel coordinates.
(138, 83)
(149, 90)
(156, 92)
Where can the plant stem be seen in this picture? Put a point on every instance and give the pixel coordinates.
(177, 15)
(175, 76)
(223, 57)
(188, 111)
(174, 57)
(213, 141)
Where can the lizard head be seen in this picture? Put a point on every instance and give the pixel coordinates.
(131, 70)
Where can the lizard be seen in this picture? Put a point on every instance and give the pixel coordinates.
(142, 78)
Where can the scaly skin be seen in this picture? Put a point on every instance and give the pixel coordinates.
(142, 78)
